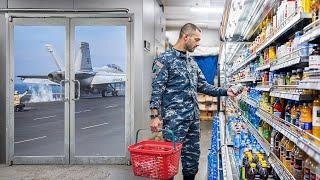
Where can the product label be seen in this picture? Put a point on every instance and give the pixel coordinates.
(316, 116)
(314, 62)
(287, 117)
(277, 114)
(307, 126)
(288, 153)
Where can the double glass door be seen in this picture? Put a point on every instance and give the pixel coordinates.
(69, 90)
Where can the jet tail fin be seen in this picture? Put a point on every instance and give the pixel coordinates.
(83, 59)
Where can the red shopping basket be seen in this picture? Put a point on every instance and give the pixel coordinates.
(155, 159)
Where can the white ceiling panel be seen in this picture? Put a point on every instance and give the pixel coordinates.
(178, 12)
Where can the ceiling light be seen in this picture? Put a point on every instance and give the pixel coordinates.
(207, 10)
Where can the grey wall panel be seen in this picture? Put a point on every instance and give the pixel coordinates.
(2, 90)
(3, 3)
(148, 35)
(50, 4)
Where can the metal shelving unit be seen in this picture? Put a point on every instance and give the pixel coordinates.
(312, 32)
(237, 67)
(249, 101)
(294, 21)
(280, 169)
(305, 141)
(263, 88)
(264, 67)
(309, 84)
(291, 96)
(288, 60)
(226, 161)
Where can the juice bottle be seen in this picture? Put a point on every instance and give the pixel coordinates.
(313, 170)
(287, 116)
(297, 123)
(306, 5)
(260, 129)
(272, 100)
(306, 118)
(277, 108)
(283, 143)
(292, 159)
(294, 113)
(277, 140)
(306, 170)
(289, 148)
(299, 161)
(267, 132)
(316, 118)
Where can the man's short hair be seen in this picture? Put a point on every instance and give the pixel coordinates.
(188, 28)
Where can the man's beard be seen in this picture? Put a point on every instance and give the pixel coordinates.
(190, 48)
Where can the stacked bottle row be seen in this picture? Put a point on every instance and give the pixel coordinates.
(303, 114)
(296, 161)
(250, 157)
(307, 52)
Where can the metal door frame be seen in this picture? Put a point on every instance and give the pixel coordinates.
(69, 156)
(12, 159)
(74, 159)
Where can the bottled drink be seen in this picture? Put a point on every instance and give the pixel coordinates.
(306, 170)
(306, 118)
(277, 139)
(252, 171)
(288, 108)
(313, 169)
(316, 118)
(299, 162)
(292, 159)
(294, 113)
(277, 109)
(283, 143)
(289, 148)
(297, 123)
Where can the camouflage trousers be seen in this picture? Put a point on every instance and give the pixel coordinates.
(187, 132)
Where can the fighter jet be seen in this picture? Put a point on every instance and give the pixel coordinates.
(103, 80)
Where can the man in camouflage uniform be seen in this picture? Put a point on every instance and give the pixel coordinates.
(174, 96)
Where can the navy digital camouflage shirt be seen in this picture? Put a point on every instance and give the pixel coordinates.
(175, 85)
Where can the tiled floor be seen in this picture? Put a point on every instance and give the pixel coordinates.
(92, 172)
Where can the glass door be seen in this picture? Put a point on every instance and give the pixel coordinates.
(39, 91)
(100, 125)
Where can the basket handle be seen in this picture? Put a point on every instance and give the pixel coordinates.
(173, 138)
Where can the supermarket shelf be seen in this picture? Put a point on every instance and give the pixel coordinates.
(292, 96)
(310, 84)
(245, 62)
(263, 88)
(295, 20)
(288, 63)
(264, 67)
(279, 168)
(305, 141)
(234, 167)
(249, 101)
(248, 79)
(226, 164)
(264, 144)
(312, 32)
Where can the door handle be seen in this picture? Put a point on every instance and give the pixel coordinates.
(62, 82)
(78, 90)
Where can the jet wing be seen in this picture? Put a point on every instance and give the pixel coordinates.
(108, 78)
(36, 79)
(33, 77)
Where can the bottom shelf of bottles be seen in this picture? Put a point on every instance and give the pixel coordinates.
(262, 152)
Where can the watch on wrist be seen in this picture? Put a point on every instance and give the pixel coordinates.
(152, 116)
